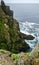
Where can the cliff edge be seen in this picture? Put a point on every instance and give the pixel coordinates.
(10, 36)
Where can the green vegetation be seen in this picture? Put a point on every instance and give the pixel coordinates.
(28, 53)
(12, 40)
(10, 36)
(2, 51)
(15, 56)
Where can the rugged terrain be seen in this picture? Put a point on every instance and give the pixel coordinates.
(9, 58)
(10, 36)
(12, 41)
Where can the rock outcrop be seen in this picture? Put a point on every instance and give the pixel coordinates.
(35, 51)
(5, 59)
(27, 37)
(34, 55)
(17, 59)
(6, 9)
(12, 40)
(10, 36)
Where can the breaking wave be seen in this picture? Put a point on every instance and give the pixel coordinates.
(30, 29)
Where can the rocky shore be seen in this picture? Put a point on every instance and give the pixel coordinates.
(22, 58)
(12, 44)
(10, 36)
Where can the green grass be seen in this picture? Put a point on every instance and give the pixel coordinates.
(28, 53)
(15, 56)
(2, 51)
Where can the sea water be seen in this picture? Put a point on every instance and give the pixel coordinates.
(28, 17)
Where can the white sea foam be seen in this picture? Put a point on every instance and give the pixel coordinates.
(30, 29)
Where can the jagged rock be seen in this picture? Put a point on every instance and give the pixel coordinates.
(10, 36)
(35, 51)
(5, 59)
(11, 39)
(27, 37)
(22, 58)
(6, 9)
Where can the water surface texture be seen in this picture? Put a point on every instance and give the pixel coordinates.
(28, 18)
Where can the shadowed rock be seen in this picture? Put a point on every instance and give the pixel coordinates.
(27, 37)
(10, 36)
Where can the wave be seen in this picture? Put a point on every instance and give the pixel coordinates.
(30, 29)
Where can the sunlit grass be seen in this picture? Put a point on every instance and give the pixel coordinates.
(2, 51)
(15, 56)
(28, 53)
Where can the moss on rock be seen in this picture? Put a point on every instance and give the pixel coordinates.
(10, 36)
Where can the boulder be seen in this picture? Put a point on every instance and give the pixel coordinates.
(27, 37)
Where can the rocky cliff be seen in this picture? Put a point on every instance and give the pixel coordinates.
(10, 36)
(8, 58)
(12, 40)
(35, 51)
(27, 37)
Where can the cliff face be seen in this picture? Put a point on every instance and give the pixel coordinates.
(35, 51)
(10, 36)
(27, 37)
(12, 40)
(6, 9)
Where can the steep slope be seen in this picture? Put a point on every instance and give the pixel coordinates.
(35, 52)
(1, 11)
(10, 36)
(5, 59)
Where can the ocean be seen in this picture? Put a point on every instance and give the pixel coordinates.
(28, 17)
